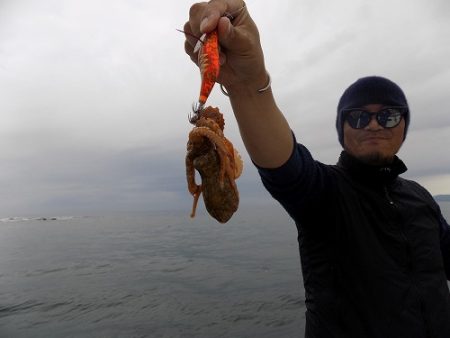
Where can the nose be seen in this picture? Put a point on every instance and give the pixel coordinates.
(373, 124)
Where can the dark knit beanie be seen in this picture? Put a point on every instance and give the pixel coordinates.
(370, 90)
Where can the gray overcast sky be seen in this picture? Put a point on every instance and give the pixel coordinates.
(95, 94)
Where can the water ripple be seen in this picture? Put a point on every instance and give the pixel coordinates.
(7, 310)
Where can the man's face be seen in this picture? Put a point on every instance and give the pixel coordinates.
(374, 144)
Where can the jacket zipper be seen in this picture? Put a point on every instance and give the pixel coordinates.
(402, 230)
(388, 196)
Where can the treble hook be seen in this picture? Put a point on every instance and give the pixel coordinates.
(193, 116)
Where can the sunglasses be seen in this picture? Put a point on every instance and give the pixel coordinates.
(388, 117)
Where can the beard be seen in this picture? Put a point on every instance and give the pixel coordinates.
(376, 159)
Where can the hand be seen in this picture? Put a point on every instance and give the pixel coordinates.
(241, 55)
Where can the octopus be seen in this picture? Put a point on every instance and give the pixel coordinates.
(219, 164)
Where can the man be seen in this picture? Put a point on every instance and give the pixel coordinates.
(374, 247)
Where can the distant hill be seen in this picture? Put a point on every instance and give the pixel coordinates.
(442, 198)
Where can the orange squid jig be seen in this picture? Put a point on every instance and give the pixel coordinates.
(208, 62)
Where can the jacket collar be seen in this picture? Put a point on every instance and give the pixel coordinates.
(369, 173)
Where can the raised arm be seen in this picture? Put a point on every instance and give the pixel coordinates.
(264, 130)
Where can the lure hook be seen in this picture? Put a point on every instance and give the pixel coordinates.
(193, 116)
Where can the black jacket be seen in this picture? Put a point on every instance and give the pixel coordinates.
(374, 247)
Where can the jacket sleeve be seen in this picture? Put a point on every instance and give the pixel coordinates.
(445, 244)
(297, 181)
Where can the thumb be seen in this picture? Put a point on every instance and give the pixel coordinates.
(226, 31)
(239, 39)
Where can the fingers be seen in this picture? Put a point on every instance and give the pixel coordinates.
(240, 33)
(196, 14)
(205, 17)
(190, 42)
(226, 31)
(211, 15)
(191, 38)
(241, 57)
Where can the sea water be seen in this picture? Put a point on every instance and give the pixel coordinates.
(152, 275)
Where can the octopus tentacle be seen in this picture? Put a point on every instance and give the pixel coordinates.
(193, 187)
(211, 154)
(222, 149)
(195, 202)
(190, 175)
(239, 165)
(209, 123)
